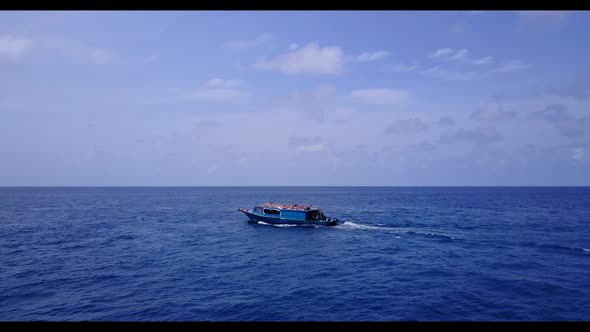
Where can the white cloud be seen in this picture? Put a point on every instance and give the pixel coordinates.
(460, 56)
(445, 121)
(442, 52)
(578, 88)
(372, 56)
(307, 144)
(215, 94)
(105, 56)
(212, 169)
(493, 111)
(575, 127)
(553, 113)
(479, 67)
(311, 147)
(445, 73)
(216, 90)
(293, 47)
(482, 61)
(457, 27)
(558, 115)
(319, 105)
(406, 126)
(513, 65)
(480, 135)
(401, 68)
(544, 16)
(439, 72)
(221, 83)
(12, 48)
(579, 154)
(382, 96)
(148, 59)
(84, 53)
(241, 45)
(96, 55)
(308, 59)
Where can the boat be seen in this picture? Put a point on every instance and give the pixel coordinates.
(274, 213)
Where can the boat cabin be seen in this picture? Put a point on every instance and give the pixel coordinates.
(293, 212)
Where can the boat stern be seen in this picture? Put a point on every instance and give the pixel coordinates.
(332, 221)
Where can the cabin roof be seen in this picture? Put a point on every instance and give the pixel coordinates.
(298, 207)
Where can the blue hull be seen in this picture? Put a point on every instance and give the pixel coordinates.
(281, 221)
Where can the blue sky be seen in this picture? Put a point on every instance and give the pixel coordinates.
(294, 98)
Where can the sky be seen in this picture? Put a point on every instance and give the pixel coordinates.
(334, 98)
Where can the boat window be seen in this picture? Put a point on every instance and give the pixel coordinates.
(313, 215)
(269, 211)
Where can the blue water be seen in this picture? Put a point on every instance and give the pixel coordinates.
(187, 254)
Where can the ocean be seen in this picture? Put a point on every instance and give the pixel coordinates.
(402, 254)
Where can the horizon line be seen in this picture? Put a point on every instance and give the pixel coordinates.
(315, 186)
